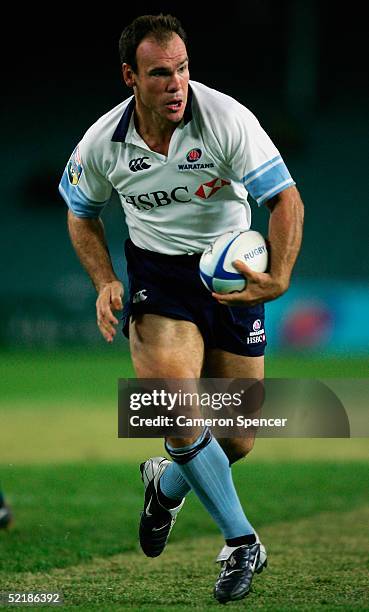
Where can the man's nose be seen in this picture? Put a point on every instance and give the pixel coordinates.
(174, 83)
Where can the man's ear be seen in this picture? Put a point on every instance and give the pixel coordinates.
(128, 75)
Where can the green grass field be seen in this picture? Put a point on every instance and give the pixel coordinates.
(76, 495)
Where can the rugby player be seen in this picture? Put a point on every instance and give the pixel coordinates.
(183, 159)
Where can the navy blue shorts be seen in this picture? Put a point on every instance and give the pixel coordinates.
(170, 285)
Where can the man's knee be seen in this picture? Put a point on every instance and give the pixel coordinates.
(236, 448)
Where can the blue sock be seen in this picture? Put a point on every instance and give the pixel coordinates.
(205, 467)
(172, 483)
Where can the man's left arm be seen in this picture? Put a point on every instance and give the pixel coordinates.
(285, 235)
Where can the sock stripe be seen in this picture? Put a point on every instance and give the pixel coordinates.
(181, 456)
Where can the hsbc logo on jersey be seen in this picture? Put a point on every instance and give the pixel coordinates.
(206, 190)
(154, 199)
(257, 336)
(139, 164)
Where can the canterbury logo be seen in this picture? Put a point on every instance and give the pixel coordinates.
(139, 164)
(140, 296)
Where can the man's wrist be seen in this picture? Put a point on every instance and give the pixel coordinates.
(100, 286)
(280, 281)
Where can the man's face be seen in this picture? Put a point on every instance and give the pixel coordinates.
(161, 81)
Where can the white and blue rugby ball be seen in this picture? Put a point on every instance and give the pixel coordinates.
(216, 269)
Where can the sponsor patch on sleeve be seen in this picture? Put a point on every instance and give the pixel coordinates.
(75, 167)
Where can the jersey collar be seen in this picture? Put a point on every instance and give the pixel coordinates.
(123, 125)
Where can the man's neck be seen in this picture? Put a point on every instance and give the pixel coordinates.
(155, 133)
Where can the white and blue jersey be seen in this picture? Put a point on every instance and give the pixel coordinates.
(181, 202)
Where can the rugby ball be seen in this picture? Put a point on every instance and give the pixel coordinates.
(216, 269)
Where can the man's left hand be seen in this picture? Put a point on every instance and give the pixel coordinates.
(260, 287)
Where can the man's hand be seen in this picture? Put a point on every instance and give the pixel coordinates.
(110, 298)
(284, 240)
(260, 287)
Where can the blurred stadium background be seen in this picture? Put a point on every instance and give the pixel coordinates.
(309, 90)
(300, 66)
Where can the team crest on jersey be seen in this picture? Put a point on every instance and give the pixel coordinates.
(193, 155)
(75, 167)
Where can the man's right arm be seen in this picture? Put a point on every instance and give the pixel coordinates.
(88, 239)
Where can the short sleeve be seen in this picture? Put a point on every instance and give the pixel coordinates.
(84, 188)
(255, 160)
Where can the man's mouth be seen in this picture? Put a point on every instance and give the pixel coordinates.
(174, 105)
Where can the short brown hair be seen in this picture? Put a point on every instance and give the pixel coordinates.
(161, 27)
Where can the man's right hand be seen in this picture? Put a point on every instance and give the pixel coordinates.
(110, 298)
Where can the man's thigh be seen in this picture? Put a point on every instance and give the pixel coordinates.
(221, 364)
(162, 347)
